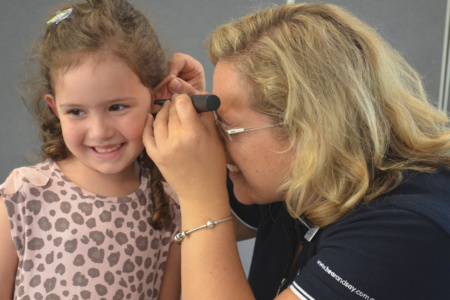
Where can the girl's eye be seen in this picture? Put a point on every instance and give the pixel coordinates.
(117, 107)
(76, 112)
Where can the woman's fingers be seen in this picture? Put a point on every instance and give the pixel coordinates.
(186, 114)
(189, 69)
(160, 124)
(148, 137)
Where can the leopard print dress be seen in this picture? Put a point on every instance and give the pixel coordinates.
(73, 244)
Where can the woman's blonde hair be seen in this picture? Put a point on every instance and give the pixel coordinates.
(354, 110)
(96, 27)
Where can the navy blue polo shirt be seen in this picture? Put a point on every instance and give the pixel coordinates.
(395, 247)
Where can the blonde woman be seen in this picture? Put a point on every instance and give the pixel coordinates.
(328, 133)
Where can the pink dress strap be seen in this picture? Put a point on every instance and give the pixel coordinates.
(15, 180)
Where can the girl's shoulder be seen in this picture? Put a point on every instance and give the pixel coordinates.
(37, 175)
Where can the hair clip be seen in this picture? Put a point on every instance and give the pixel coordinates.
(60, 15)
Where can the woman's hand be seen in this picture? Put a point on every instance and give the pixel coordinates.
(186, 76)
(189, 69)
(186, 148)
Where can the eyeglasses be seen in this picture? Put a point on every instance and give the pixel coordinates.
(226, 133)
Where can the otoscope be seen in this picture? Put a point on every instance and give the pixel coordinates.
(202, 103)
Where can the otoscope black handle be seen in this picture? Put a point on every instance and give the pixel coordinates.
(201, 103)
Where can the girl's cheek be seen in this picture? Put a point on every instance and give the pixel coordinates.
(71, 133)
(136, 125)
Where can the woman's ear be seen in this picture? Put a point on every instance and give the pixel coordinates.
(51, 102)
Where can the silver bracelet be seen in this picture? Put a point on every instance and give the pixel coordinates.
(179, 237)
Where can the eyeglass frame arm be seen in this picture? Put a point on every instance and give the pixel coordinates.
(239, 130)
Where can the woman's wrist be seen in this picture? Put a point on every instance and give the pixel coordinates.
(197, 210)
(209, 225)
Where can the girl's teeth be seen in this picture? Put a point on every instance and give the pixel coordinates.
(233, 168)
(103, 150)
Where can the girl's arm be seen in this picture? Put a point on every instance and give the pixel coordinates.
(171, 281)
(8, 255)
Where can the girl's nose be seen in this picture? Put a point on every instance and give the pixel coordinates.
(101, 128)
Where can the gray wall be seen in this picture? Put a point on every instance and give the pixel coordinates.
(414, 27)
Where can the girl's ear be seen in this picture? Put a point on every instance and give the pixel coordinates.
(161, 91)
(51, 102)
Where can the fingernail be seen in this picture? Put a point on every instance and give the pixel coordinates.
(175, 86)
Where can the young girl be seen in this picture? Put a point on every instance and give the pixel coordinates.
(94, 219)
